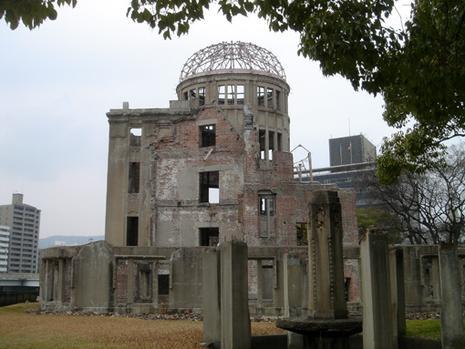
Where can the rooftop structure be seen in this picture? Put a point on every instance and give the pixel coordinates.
(232, 56)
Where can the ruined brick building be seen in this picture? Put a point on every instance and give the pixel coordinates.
(214, 166)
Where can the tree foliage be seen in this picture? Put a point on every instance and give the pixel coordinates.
(31, 13)
(380, 219)
(431, 205)
(418, 68)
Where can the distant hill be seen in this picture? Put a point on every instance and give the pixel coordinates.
(64, 240)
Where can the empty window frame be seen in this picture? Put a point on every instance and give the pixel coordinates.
(269, 98)
(186, 95)
(280, 141)
(207, 135)
(221, 94)
(240, 94)
(301, 234)
(134, 177)
(209, 236)
(262, 143)
(209, 189)
(278, 100)
(230, 92)
(260, 96)
(135, 135)
(132, 231)
(144, 278)
(163, 284)
(270, 144)
(201, 94)
(267, 280)
(267, 204)
(192, 94)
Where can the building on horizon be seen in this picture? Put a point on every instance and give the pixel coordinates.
(352, 160)
(4, 246)
(24, 223)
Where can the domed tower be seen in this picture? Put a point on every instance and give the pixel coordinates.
(212, 167)
(231, 75)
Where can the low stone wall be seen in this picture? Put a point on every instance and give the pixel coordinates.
(129, 280)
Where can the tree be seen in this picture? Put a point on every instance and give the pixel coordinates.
(418, 68)
(431, 209)
(31, 13)
(381, 219)
(430, 205)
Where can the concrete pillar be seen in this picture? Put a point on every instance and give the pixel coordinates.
(211, 297)
(235, 321)
(396, 274)
(60, 281)
(452, 336)
(325, 259)
(293, 294)
(376, 293)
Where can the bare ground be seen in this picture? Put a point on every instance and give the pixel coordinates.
(22, 329)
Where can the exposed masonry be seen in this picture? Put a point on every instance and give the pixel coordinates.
(213, 167)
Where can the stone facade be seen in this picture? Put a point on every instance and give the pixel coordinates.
(215, 166)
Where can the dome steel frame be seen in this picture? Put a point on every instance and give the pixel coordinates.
(227, 56)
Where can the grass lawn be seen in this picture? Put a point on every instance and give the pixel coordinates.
(430, 329)
(22, 330)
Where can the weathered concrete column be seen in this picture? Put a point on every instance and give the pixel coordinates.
(376, 293)
(292, 277)
(326, 262)
(235, 320)
(452, 336)
(211, 296)
(396, 273)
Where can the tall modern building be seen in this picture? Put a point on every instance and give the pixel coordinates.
(352, 160)
(24, 222)
(4, 246)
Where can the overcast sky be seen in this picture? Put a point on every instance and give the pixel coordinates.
(58, 81)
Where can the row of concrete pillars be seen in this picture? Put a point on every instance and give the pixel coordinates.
(225, 296)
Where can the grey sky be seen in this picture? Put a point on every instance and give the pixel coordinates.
(58, 81)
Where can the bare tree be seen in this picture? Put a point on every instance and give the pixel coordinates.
(431, 210)
(431, 205)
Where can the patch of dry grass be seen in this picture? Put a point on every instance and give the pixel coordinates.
(20, 329)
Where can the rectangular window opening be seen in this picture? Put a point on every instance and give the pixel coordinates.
(192, 94)
(267, 204)
(280, 141)
(270, 144)
(230, 94)
(209, 190)
(240, 93)
(134, 176)
(221, 94)
(269, 98)
(135, 135)
(267, 280)
(261, 141)
(132, 231)
(186, 95)
(278, 100)
(207, 135)
(201, 92)
(260, 96)
(209, 236)
(163, 284)
(301, 234)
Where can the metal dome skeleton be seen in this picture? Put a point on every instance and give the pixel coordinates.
(228, 56)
